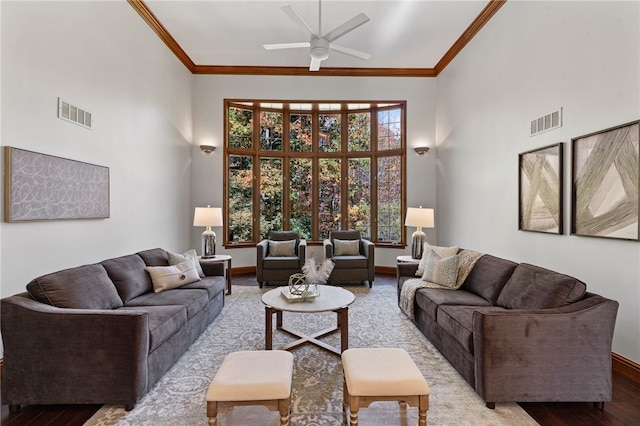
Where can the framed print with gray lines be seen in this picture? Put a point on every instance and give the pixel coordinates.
(43, 187)
(540, 190)
(605, 180)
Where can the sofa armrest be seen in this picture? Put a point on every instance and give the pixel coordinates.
(328, 248)
(561, 354)
(302, 252)
(72, 356)
(407, 270)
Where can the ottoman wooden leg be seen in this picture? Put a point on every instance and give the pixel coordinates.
(284, 408)
(354, 407)
(423, 406)
(212, 413)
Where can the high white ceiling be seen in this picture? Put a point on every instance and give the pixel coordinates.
(400, 33)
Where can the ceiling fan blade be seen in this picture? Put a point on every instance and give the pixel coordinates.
(350, 52)
(293, 14)
(315, 64)
(348, 26)
(277, 46)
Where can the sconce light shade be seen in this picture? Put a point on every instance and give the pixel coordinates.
(420, 218)
(208, 217)
(207, 149)
(421, 150)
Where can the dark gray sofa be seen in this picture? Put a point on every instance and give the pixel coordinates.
(99, 334)
(518, 332)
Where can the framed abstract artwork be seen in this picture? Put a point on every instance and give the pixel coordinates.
(605, 183)
(44, 187)
(540, 190)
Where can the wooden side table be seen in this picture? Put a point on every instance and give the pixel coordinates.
(222, 258)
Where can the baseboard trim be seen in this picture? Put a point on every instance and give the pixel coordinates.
(243, 270)
(386, 270)
(625, 366)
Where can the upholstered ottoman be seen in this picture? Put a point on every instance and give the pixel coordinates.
(252, 378)
(383, 374)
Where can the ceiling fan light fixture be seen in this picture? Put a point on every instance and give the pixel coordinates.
(319, 49)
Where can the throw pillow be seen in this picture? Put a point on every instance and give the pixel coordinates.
(282, 248)
(441, 251)
(441, 270)
(174, 276)
(346, 247)
(175, 258)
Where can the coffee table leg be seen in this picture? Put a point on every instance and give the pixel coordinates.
(268, 339)
(278, 319)
(343, 324)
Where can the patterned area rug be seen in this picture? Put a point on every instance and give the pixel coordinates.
(374, 321)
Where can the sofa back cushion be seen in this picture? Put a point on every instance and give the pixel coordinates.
(84, 287)
(488, 277)
(533, 287)
(129, 275)
(155, 257)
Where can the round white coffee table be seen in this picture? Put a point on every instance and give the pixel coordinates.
(331, 298)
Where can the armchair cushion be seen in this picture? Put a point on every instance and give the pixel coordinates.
(282, 248)
(84, 287)
(346, 247)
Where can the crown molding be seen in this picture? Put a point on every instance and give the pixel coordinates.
(485, 15)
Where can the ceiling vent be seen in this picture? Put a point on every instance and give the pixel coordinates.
(74, 114)
(547, 122)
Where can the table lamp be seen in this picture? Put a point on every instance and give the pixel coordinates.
(208, 217)
(420, 218)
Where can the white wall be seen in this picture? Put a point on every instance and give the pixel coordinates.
(532, 58)
(103, 57)
(209, 93)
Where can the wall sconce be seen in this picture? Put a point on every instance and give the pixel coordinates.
(421, 150)
(207, 149)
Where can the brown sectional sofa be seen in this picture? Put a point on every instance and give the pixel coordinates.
(518, 332)
(98, 334)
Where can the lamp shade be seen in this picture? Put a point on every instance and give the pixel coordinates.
(419, 217)
(207, 216)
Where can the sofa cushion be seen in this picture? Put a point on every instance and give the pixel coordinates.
(457, 321)
(346, 247)
(168, 277)
(428, 299)
(213, 285)
(533, 287)
(282, 248)
(441, 270)
(154, 257)
(129, 275)
(488, 276)
(84, 287)
(164, 322)
(194, 300)
(175, 258)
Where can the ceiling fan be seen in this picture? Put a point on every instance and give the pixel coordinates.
(321, 44)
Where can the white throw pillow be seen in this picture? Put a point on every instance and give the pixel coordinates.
(346, 247)
(441, 251)
(168, 277)
(282, 248)
(175, 258)
(441, 270)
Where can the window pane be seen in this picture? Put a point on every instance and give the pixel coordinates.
(360, 195)
(300, 133)
(359, 131)
(329, 196)
(271, 131)
(389, 129)
(329, 132)
(389, 199)
(240, 128)
(270, 195)
(300, 178)
(240, 198)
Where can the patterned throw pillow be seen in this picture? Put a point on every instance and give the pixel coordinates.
(282, 248)
(175, 258)
(441, 270)
(168, 277)
(346, 247)
(441, 251)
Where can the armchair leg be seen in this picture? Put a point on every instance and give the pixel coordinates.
(260, 283)
(598, 406)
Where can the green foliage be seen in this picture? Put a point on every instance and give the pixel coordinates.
(300, 132)
(330, 133)
(240, 128)
(271, 131)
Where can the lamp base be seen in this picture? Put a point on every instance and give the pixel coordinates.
(417, 243)
(208, 243)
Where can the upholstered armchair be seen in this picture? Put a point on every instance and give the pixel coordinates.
(353, 257)
(280, 256)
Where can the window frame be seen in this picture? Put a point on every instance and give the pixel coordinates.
(316, 154)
